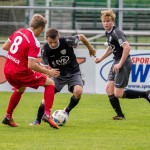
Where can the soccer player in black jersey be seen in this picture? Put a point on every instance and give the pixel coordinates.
(59, 53)
(119, 73)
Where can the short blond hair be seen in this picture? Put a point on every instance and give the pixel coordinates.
(108, 14)
(38, 21)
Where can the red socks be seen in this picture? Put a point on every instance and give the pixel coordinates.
(16, 96)
(48, 98)
(14, 100)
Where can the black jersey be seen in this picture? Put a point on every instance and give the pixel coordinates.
(116, 38)
(62, 57)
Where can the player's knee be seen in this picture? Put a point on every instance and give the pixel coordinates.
(109, 90)
(118, 95)
(49, 82)
(118, 92)
(78, 92)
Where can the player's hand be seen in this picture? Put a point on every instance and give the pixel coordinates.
(97, 60)
(92, 52)
(54, 73)
(116, 68)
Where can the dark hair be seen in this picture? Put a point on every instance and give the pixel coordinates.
(52, 33)
(38, 21)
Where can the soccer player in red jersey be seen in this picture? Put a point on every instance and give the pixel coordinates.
(22, 70)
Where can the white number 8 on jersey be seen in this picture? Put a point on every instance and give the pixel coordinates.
(14, 46)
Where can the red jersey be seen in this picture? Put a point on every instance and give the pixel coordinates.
(24, 45)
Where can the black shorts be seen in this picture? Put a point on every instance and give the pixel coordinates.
(122, 77)
(70, 79)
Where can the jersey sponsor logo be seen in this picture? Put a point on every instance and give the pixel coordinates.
(63, 51)
(62, 61)
(17, 61)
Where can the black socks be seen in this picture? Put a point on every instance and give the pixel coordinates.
(116, 105)
(40, 112)
(131, 94)
(73, 102)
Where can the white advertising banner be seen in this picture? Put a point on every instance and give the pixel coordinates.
(95, 75)
(139, 76)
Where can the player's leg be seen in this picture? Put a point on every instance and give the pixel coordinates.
(40, 113)
(121, 81)
(59, 84)
(14, 100)
(75, 86)
(114, 101)
(132, 94)
(115, 86)
(74, 100)
(48, 102)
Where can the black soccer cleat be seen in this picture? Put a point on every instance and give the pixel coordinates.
(9, 122)
(50, 121)
(118, 117)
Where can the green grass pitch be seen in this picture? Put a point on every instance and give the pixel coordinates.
(89, 127)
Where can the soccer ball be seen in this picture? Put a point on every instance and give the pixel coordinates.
(60, 117)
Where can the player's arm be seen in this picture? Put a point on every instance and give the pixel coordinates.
(6, 45)
(125, 54)
(120, 37)
(105, 55)
(45, 66)
(82, 38)
(34, 66)
(44, 62)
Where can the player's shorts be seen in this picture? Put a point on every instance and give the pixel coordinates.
(122, 77)
(31, 79)
(70, 79)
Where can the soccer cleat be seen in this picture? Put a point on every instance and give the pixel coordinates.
(35, 123)
(50, 121)
(118, 118)
(148, 95)
(9, 122)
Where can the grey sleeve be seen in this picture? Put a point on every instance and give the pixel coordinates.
(44, 61)
(119, 36)
(72, 41)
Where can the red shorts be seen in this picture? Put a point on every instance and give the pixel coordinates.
(31, 79)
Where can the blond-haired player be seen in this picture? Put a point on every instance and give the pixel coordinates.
(119, 73)
(21, 69)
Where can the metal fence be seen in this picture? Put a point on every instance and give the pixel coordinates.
(77, 17)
